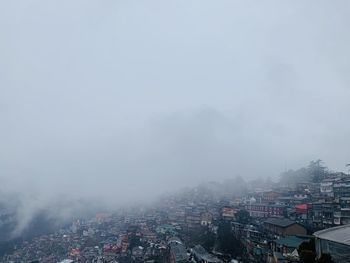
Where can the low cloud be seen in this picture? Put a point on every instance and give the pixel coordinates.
(114, 103)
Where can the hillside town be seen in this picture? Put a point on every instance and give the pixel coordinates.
(183, 131)
(263, 222)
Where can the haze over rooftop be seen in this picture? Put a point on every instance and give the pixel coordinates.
(124, 100)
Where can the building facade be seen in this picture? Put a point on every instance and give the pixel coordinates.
(335, 242)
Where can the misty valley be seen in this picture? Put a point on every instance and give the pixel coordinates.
(184, 131)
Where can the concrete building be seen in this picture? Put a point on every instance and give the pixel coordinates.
(228, 213)
(335, 242)
(341, 188)
(177, 251)
(206, 219)
(265, 210)
(325, 214)
(288, 244)
(283, 227)
(326, 187)
(202, 256)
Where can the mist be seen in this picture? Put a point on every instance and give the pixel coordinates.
(119, 101)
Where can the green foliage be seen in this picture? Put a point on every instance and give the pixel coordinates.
(208, 241)
(134, 241)
(227, 242)
(202, 236)
(307, 245)
(325, 258)
(243, 217)
(314, 172)
(307, 251)
(317, 171)
(307, 256)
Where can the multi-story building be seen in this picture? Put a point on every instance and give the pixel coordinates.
(193, 219)
(335, 242)
(206, 219)
(288, 244)
(325, 214)
(270, 196)
(228, 213)
(303, 211)
(265, 210)
(254, 240)
(326, 187)
(342, 215)
(283, 227)
(341, 188)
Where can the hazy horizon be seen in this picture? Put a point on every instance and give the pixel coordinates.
(124, 100)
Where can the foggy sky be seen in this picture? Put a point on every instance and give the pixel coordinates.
(122, 100)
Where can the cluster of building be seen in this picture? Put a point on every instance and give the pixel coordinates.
(281, 219)
(271, 225)
(140, 235)
(178, 253)
(284, 218)
(106, 238)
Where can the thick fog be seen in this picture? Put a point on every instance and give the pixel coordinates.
(119, 101)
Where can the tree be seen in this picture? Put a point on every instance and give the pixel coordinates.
(314, 172)
(227, 242)
(325, 258)
(243, 217)
(307, 256)
(307, 251)
(202, 236)
(208, 241)
(317, 171)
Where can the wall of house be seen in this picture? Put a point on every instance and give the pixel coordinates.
(295, 230)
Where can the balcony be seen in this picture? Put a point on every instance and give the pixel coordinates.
(337, 214)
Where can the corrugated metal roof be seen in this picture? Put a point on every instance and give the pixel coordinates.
(339, 234)
(292, 241)
(282, 222)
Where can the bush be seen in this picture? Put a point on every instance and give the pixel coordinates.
(325, 258)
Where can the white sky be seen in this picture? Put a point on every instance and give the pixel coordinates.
(124, 99)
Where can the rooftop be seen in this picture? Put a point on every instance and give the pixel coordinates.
(282, 222)
(179, 252)
(291, 241)
(204, 255)
(339, 234)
